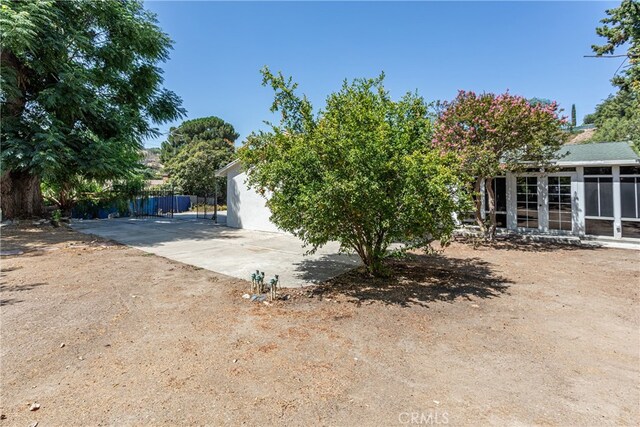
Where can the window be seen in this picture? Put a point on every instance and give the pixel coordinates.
(630, 196)
(630, 201)
(598, 193)
(560, 209)
(629, 170)
(599, 227)
(631, 229)
(500, 191)
(527, 202)
(597, 171)
(598, 196)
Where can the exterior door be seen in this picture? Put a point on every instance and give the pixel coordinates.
(527, 206)
(560, 203)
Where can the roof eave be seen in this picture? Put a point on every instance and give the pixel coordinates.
(625, 162)
(224, 170)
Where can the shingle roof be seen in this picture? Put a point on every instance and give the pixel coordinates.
(598, 152)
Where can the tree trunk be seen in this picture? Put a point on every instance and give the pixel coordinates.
(65, 199)
(21, 195)
(491, 200)
(372, 259)
(479, 206)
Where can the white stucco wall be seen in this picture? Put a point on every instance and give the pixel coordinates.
(246, 208)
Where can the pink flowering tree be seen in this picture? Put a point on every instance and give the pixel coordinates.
(493, 134)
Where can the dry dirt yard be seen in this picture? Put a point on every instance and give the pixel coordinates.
(517, 334)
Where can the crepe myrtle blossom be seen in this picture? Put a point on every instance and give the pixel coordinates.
(492, 134)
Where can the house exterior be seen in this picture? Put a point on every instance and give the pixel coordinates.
(592, 191)
(245, 208)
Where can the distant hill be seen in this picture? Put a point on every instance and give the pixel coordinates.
(581, 137)
(152, 160)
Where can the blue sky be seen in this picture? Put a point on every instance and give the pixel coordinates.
(534, 49)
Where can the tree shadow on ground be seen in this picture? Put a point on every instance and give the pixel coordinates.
(321, 269)
(19, 288)
(528, 243)
(9, 301)
(28, 241)
(419, 280)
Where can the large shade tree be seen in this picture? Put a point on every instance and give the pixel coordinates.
(195, 150)
(193, 168)
(495, 133)
(618, 117)
(81, 89)
(211, 129)
(361, 172)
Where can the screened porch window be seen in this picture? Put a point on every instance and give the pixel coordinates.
(500, 191)
(598, 189)
(630, 201)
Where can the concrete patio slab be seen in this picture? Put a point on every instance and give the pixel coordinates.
(231, 251)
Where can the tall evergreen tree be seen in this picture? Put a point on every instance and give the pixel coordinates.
(573, 115)
(618, 117)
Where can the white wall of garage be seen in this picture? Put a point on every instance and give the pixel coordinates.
(245, 207)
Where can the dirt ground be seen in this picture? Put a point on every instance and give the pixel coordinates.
(97, 334)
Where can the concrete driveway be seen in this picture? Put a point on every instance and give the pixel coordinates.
(231, 251)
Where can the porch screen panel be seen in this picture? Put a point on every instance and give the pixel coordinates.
(630, 201)
(631, 229)
(628, 197)
(599, 227)
(606, 197)
(500, 192)
(598, 202)
(591, 197)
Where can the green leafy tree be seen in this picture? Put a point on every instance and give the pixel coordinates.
(80, 90)
(193, 168)
(618, 117)
(540, 101)
(212, 129)
(589, 119)
(361, 172)
(195, 150)
(573, 115)
(497, 133)
(620, 28)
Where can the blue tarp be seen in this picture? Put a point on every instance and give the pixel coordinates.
(160, 204)
(141, 206)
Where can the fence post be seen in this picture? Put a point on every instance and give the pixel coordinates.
(215, 200)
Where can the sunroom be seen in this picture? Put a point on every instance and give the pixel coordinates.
(593, 191)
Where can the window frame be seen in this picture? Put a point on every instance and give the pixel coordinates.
(571, 203)
(506, 204)
(635, 193)
(527, 227)
(585, 177)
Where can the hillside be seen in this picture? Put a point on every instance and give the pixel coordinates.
(581, 137)
(152, 160)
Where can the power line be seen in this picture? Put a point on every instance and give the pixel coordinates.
(627, 55)
(625, 60)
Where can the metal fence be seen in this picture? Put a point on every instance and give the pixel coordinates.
(147, 202)
(158, 203)
(205, 205)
